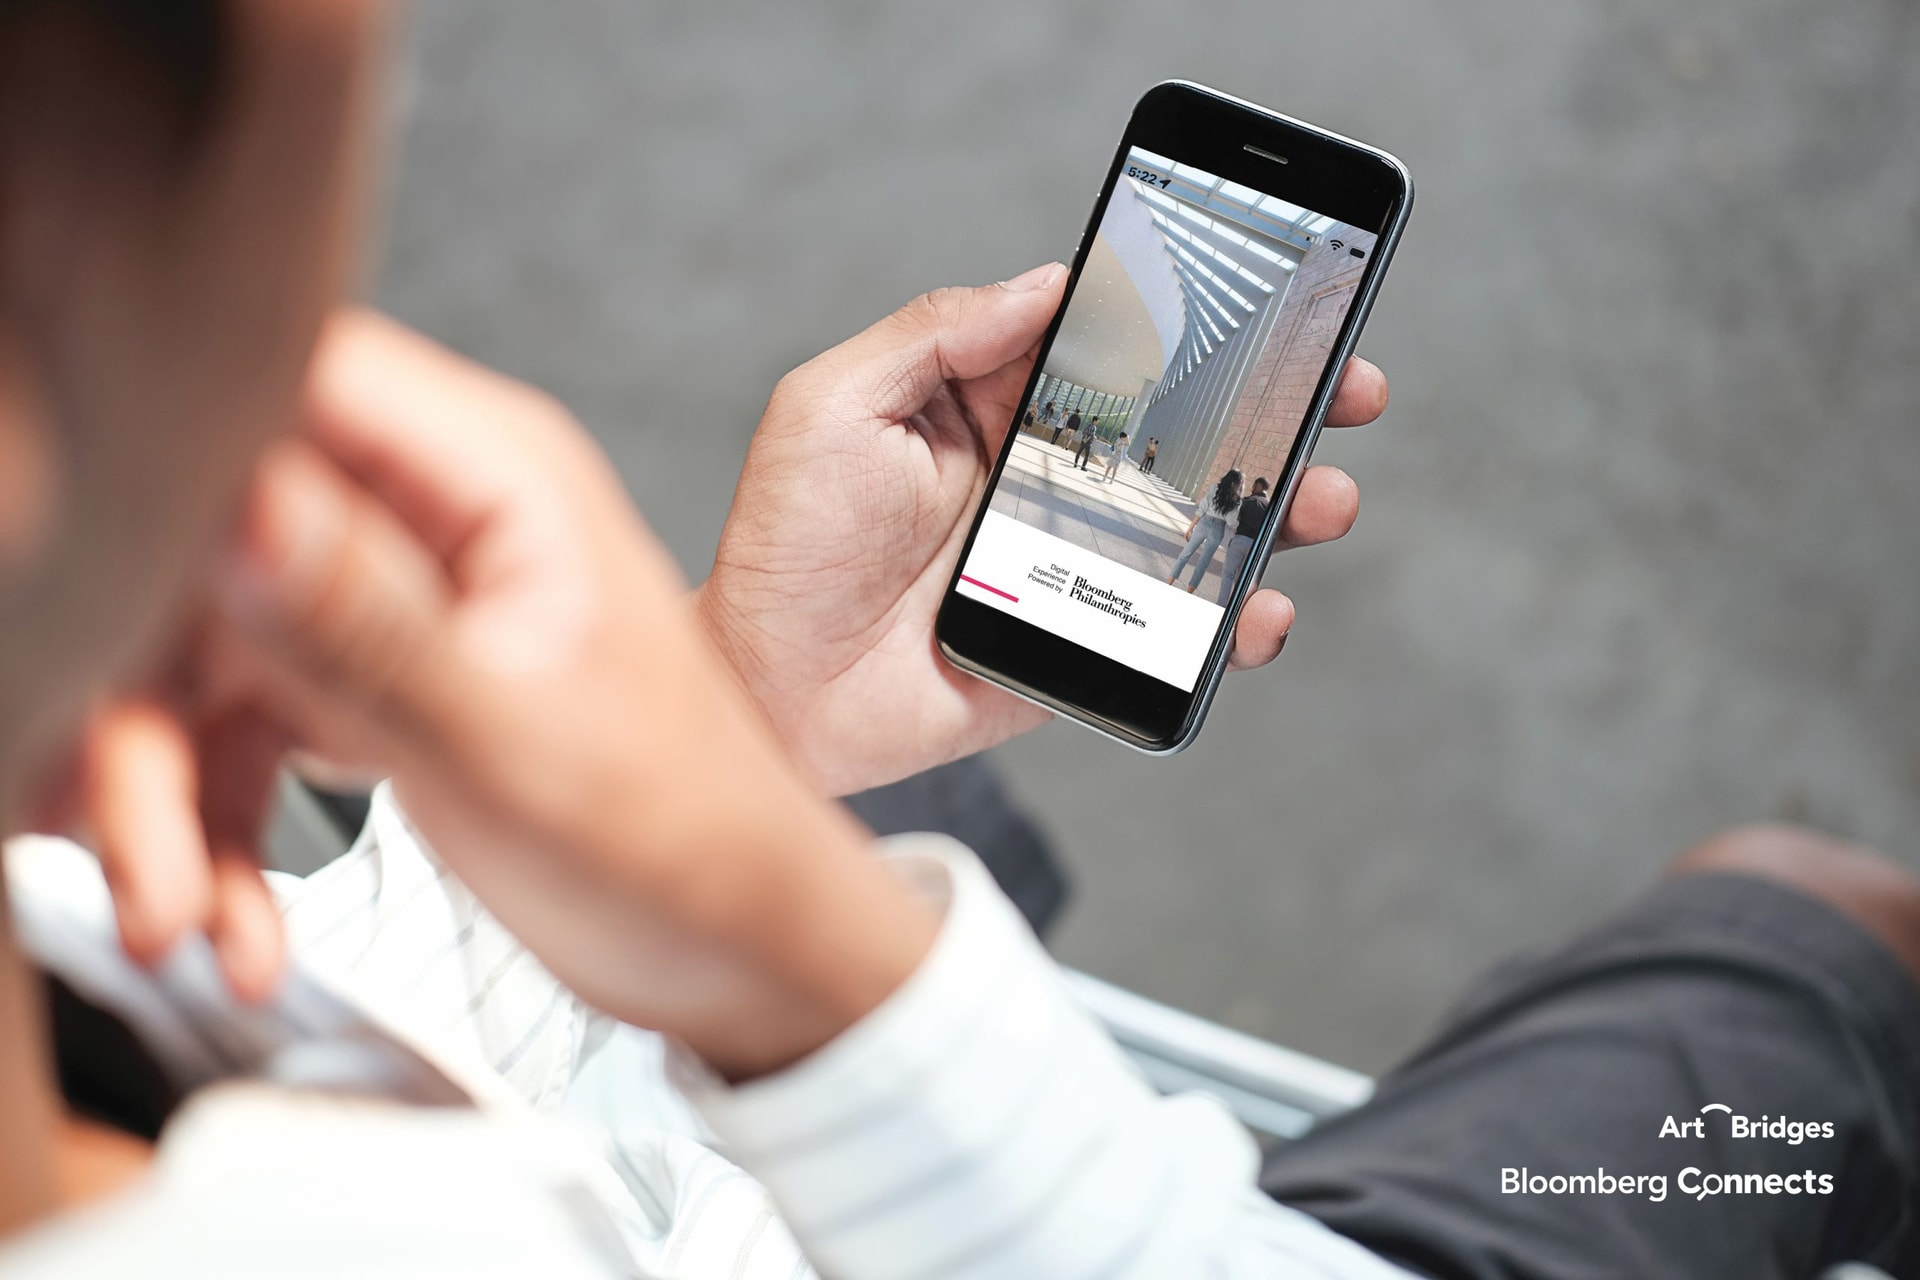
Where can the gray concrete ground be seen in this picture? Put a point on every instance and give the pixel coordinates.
(1638, 555)
(1132, 518)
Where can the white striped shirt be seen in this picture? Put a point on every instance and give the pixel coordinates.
(978, 1124)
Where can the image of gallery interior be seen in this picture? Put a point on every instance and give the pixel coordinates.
(1201, 320)
(1186, 283)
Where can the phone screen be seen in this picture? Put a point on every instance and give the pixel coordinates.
(1167, 406)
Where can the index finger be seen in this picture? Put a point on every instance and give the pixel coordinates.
(1362, 395)
(442, 441)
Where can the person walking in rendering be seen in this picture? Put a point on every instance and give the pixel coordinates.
(1209, 528)
(1153, 451)
(1073, 428)
(1253, 513)
(1050, 417)
(1118, 452)
(1086, 443)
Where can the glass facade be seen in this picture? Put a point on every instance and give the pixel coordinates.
(1067, 397)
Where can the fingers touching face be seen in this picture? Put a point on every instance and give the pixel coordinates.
(177, 813)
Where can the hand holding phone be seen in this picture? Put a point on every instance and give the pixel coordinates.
(1219, 290)
(858, 491)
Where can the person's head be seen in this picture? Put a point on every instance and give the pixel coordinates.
(1096, 417)
(177, 192)
(1260, 487)
(1227, 492)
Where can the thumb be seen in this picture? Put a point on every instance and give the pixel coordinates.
(346, 606)
(948, 335)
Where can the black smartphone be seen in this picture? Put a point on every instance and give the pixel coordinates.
(1216, 294)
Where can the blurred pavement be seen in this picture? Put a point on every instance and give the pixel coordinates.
(1639, 551)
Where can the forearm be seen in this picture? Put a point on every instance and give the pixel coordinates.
(763, 927)
(737, 638)
(980, 1124)
(827, 936)
(381, 921)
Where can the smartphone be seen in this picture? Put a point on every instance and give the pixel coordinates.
(1215, 296)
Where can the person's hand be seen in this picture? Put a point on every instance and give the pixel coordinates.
(451, 585)
(850, 514)
(444, 581)
(173, 789)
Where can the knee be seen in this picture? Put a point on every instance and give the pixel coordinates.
(1878, 894)
(1793, 855)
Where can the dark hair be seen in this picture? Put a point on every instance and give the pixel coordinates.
(184, 41)
(1261, 483)
(1227, 492)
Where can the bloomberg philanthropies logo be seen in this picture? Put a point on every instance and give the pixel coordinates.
(1106, 600)
(1691, 1181)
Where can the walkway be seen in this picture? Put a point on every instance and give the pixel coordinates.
(1136, 519)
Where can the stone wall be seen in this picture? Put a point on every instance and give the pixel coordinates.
(1273, 402)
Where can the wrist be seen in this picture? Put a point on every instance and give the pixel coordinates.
(804, 930)
(726, 631)
(713, 617)
(827, 947)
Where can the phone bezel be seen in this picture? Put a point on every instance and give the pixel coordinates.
(1345, 180)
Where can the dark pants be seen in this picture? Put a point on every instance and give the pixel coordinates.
(1715, 991)
(1086, 449)
(1147, 464)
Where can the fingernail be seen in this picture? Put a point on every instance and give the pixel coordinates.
(1039, 278)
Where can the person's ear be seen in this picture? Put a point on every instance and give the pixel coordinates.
(29, 470)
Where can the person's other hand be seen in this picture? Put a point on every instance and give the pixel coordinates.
(173, 788)
(446, 582)
(850, 514)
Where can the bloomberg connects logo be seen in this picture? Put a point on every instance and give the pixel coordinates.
(1692, 1180)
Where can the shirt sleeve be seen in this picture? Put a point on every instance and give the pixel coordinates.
(980, 1123)
(387, 926)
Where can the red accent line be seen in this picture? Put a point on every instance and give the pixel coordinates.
(984, 587)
